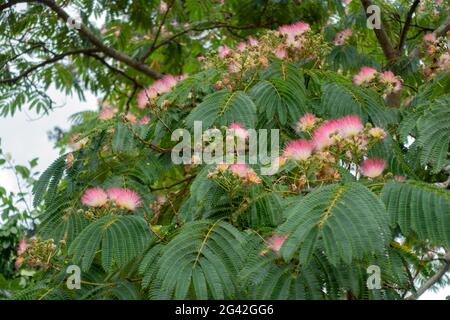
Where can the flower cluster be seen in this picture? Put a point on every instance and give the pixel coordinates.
(437, 56)
(274, 243)
(341, 37)
(119, 197)
(289, 43)
(37, 253)
(333, 143)
(385, 82)
(148, 96)
(237, 172)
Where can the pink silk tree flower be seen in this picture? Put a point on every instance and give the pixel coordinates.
(373, 167)
(22, 247)
(350, 125)
(107, 113)
(275, 242)
(389, 78)
(322, 135)
(299, 150)
(224, 52)
(94, 197)
(127, 199)
(238, 130)
(307, 122)
(365, 75)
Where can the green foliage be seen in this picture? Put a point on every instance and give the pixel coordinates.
(121, 239)
(419, 208)
(307, 232)
(349, 220)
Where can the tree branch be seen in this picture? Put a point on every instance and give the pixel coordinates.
(88, 35)
(406, 26)
(163, 20)
(46, 62)
(383, 40)
(430, 282)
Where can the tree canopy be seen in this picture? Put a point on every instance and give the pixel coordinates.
(361, 116)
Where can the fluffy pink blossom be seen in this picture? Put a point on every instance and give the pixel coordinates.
(144, 120)
(350, 125)
(365, 75)
(107, 113)
(94, 197)
(280, 52)
(307, 122)
(322, 135)
(294, 30)
(253, 42)
(22, 247)
(241, 46)
(276, 242)
(429, 38)
(124, 198)
(239, 169)
(224, 52)
(388, 78)
(299, 150)
(238, 130)
(373, 167)
(159, 87)
(201, 58)
(342, 36)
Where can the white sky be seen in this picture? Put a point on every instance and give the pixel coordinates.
(25, 139)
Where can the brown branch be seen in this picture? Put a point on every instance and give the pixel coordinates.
(174, 184)
(144, 142)
(383, 40)
(46, 62)
(440, 31)
(435, 278)
(406, 26)
(161, 24)
(88, 35)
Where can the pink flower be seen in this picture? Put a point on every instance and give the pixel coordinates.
(280, 52)
(224, 52)
(22, 247)
(238, 130)
(299, 150)
(200, 58)
(350, 126)
(94, 197)
(294, 30)
(239, 169)
(322, 135)
(241, 46)
(253, 42)
(144, 120)
(124, 198)
(107, 113)
(276, 242)
(388, 78)
(234, 67)
(365, 75)
(429, 38)
(131, 117)
(373, 167)
(342, 36)
(307, 122)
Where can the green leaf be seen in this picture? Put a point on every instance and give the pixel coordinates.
(349, 219)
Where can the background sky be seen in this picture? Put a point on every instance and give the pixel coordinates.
(25, 137)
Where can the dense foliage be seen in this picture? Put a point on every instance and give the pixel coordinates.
(364, 127)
